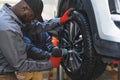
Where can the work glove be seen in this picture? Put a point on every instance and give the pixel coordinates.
(59, 51)
(66, 16)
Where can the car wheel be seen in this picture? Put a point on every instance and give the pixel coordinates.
(76, 36)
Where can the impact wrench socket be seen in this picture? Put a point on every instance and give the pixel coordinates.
(56, 52)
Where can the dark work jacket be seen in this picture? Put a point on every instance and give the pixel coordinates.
(39, 44)
(37, 52)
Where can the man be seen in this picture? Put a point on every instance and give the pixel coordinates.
(39, 47)
(13, 56)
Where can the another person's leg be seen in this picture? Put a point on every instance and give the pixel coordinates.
(8, 77)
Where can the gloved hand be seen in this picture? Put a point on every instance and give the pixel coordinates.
(56, 52)
(64, 51)
(55, 61)
(66, 17)
(59, 51)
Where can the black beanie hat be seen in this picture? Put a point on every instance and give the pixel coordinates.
(37, 7)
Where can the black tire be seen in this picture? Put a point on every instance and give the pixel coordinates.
(99, 68)
(78, 31)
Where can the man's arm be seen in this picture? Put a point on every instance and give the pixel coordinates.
(34, 52)
(53, 23)
(46, 25)
(48, 44)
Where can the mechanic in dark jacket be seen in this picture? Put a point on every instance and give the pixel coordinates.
(39, 47)
(13, 55)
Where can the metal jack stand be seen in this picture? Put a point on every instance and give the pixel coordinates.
(60, 73)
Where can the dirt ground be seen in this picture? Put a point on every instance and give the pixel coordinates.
(109, 74)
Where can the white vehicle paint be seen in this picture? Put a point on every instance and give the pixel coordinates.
(105, 20)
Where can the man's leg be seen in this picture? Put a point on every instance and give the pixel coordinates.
(37, 76)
